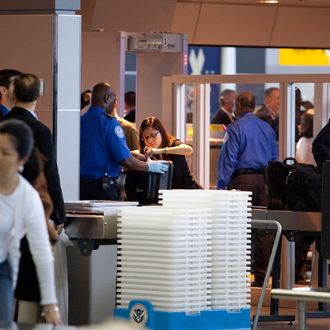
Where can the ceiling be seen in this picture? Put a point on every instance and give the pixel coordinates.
(291, 23)
(300, 3)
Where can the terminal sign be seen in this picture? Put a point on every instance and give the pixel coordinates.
(304, 57)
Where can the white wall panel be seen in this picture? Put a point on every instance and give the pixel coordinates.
(68, 43)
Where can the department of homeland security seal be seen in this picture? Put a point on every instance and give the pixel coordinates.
(119, 131)
(138, 315)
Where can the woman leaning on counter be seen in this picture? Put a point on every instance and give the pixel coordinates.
(22, 213)
(156, 142)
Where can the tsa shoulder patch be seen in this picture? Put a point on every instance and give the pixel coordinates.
(119, 131)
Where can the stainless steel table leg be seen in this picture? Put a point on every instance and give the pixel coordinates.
(301, 306)
(291, 261)
(270, 264)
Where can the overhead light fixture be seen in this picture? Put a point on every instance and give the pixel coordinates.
(269, 1)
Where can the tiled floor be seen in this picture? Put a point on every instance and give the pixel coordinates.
(312, 323)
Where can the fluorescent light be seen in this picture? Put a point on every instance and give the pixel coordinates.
(269, 1)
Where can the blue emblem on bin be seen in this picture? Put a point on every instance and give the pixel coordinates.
(139, 315)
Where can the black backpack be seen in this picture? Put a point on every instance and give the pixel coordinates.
(293, 186)
(304, 188)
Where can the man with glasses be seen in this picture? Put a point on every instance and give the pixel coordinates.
(103, 149)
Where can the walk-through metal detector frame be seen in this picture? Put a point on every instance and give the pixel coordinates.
(174, 99)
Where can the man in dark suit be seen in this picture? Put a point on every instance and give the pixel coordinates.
(26, 96)
(225, 114)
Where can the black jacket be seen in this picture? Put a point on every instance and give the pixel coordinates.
(221, 117)
(321, 145)
(43, 140)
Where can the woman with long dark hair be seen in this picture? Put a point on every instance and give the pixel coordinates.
(156, 142)
(22, 214)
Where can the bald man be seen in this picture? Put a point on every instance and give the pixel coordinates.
(103, 148)
(249, 144)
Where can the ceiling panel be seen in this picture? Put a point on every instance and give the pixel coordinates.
(183, 23)
(301, 3)
(234, 25)
(301, 27)
(128, 15)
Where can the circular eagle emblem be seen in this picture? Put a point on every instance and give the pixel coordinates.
(119, 131)
(138, 315)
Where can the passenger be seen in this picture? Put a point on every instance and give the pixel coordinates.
(269, 112)
(22, 213)
(85, 101)
(130, 131)
(130, 106)
(301, 107)
(304, 146)
(304, 155)
(249, 144)
(26, 95)
(103, 149)
(225, 114)
(7, 77)
(156, 142)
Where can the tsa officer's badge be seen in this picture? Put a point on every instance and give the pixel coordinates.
(139, 315)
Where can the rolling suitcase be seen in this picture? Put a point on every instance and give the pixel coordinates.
(143, 187)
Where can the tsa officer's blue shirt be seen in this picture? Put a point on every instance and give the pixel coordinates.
(102, 145)
(249, 143)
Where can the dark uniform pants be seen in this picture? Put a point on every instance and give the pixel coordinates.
(261, 243)
(92, 190)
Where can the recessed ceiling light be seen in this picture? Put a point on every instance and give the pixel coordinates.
(269, 1)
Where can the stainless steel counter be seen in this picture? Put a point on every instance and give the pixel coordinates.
(92, 226)
(291, 220)
(93, 219)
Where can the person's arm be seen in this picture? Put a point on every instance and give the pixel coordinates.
(134, 164)
(228, 159)
(180, 149)
(136, 153)
(45, 146)
(154, 166)
(321, 145)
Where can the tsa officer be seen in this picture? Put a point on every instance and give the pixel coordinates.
(103, 148)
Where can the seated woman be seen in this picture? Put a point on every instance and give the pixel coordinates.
(157, 143)
(22, 214)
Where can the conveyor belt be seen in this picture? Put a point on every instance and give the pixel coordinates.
(93, 223)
